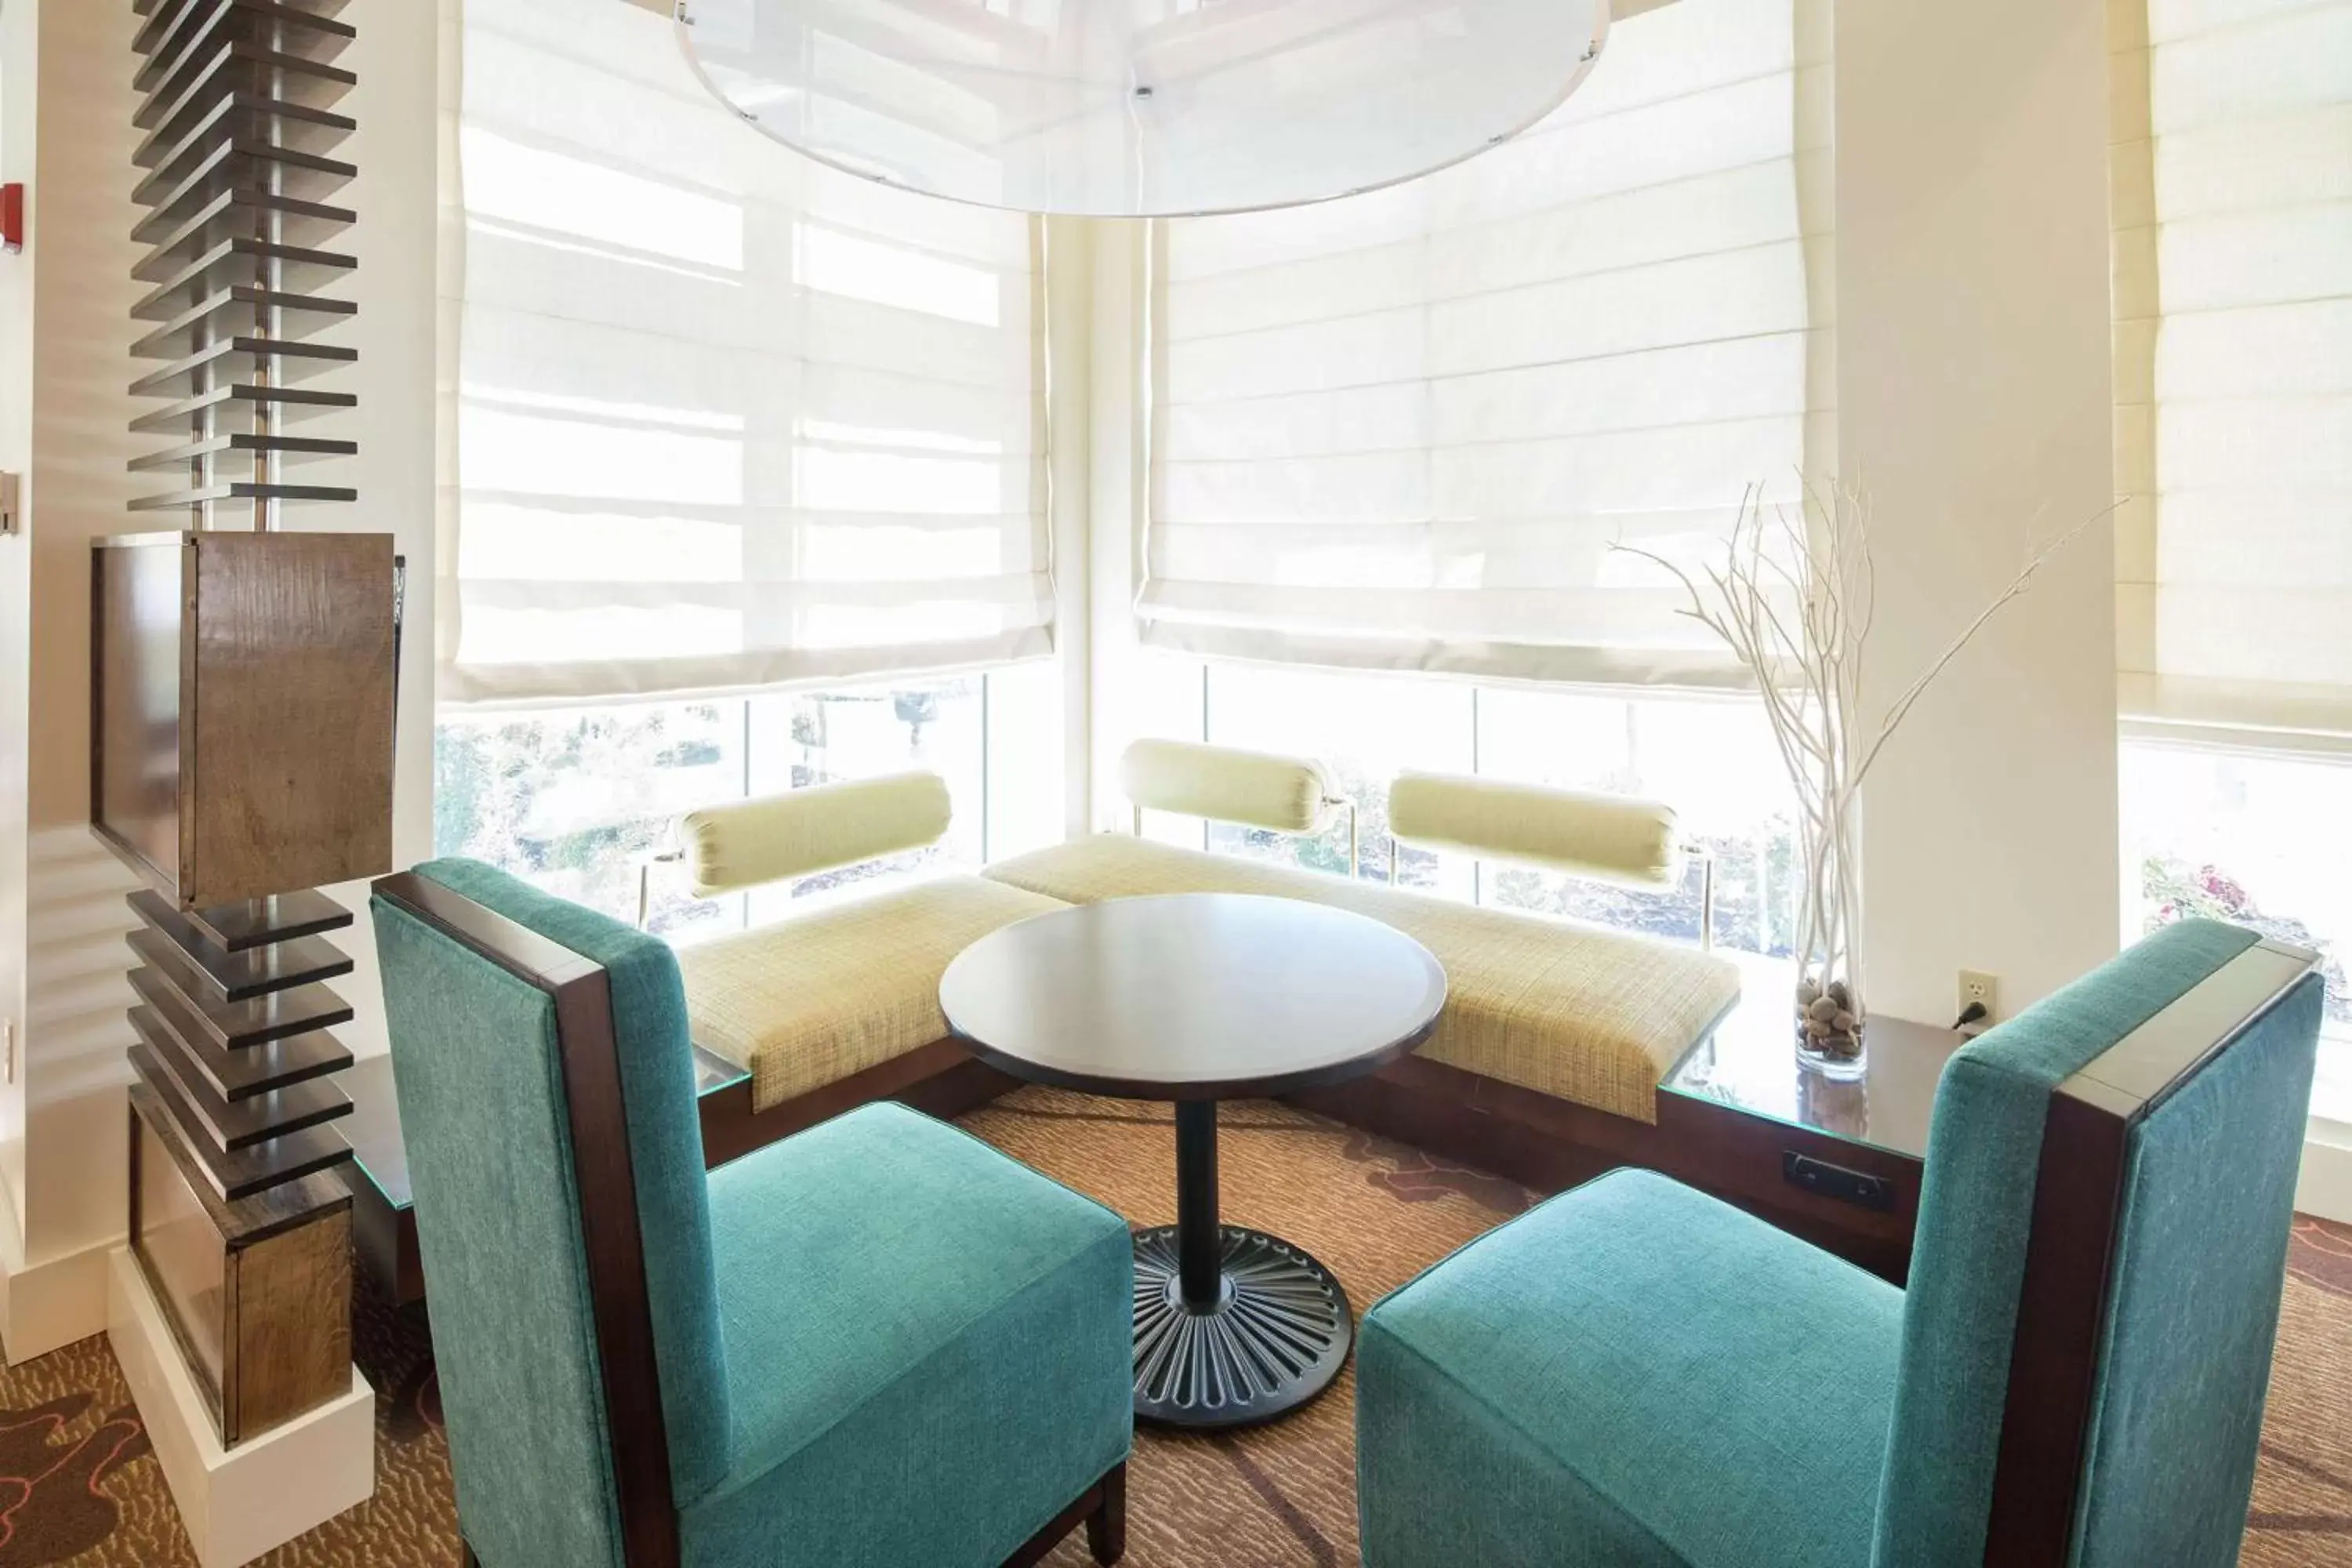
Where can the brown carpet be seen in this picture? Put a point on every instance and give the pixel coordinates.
(77, 1483)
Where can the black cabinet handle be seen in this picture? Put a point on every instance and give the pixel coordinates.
(1857, 1187)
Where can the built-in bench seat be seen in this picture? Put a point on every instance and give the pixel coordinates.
(1563, 1031)
(818, 997)
(1593, 1016)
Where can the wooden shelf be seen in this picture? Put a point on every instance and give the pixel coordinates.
(301, 269)
(280, 917)
(239, 1074)
(176, 193)
(235, 1173)
(239, 1026)
(236, 1124)
(243, 305)
(235, 68)
(174, 501)
(290, 450)
(233, 215)
(244, 360)
(286, 404)
(251, 113)
(237, 974)
(173, 38)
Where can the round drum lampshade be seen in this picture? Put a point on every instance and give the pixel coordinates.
(1142, 108)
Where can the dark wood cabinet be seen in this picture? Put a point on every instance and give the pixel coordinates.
(242, 684)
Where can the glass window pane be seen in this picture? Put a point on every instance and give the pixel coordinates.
(2259, 841)
(1167, 692)
(804, 738)
(1365, 729)
(1025, 758)
(571, 799)
(1714, 763)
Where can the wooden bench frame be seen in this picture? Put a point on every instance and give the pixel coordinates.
(1542, 1142)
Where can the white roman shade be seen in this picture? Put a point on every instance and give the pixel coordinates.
(2232, 163)
(1401, 429)
(724, 418)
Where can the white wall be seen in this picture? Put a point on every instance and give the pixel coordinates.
(1973, 371)
(66, 1173)
(397, 150)
(19, 109)
(1116, 440)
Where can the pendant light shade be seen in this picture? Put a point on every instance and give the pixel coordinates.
(1142, 108)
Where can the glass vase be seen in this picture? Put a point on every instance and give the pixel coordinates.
(1830, 1029)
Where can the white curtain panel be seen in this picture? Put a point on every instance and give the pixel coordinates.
(1403, 429)
(2232, 163)
(723, 419)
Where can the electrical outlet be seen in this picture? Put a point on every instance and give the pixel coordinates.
(1980, 989)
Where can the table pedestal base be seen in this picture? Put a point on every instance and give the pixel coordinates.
(1275, 1337)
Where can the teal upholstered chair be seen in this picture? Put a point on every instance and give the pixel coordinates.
(879, 1342)
(1635, 1373)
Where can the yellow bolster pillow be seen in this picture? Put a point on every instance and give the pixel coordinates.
(1610, 836)
(746, 843)
(1255, 788)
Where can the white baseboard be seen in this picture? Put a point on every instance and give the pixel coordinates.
(46, 1306)
(2326, 1186)
(239, 1504)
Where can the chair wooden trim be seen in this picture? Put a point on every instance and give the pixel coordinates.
(588, 1051)
(2070, 1252)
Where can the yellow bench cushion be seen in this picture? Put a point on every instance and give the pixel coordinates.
(818, 997)
(1588, 1016)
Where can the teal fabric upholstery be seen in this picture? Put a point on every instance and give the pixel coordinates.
(1632, 1373)
(1629, 1376)
(2203, 1245)
(1976, 1207)
(881, 1341)
(498, 1234)
(929, 1347)
(665, 1153)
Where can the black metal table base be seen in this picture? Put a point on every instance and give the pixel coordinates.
(1232, 1326)
(1276, 1337)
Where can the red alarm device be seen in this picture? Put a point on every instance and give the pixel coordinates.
(12, 217)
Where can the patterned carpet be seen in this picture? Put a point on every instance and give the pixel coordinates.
(77, 1483)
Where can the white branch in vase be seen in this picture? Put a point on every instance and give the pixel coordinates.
(1793, 598)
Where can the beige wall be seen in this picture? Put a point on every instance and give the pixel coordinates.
(19, 108)
(67, 1165)
(398, 154)
(65, 367)
(1974, 394)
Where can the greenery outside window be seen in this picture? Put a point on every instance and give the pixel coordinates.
(572, 799)
(2257, 839)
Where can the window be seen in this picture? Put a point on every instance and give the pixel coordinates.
(1365, 727)
(571, 800)
(724, 420)
(1400, 430)
(2233, 214)
(1711, 760)
(2257, 839)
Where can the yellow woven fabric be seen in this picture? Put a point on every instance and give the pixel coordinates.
(745, 843)
(1226, 784)
(1612, 837)
(1593, 1016)
(815, 997)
